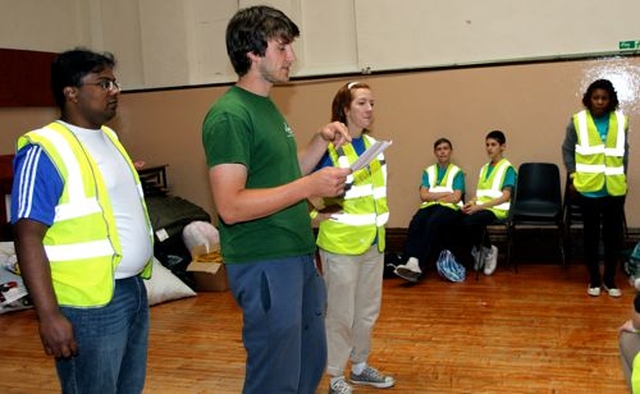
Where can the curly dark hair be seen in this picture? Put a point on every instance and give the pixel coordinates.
(250, 29)
(605, 85)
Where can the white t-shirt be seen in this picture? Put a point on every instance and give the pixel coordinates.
(125, 200)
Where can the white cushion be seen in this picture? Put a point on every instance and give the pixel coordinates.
(164, 286)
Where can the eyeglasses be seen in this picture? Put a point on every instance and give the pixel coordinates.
(107, 85)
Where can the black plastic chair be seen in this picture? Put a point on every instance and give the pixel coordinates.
(538, 201)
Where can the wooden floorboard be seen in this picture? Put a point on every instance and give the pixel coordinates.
(536, 331)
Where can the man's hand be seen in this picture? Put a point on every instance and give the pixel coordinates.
(336, 133)
(328, 182)
(56, 333)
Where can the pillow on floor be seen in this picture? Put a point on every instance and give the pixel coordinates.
(164, 286)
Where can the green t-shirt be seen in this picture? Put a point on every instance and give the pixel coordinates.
(245, 128)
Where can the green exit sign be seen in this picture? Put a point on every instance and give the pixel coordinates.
(629, 45)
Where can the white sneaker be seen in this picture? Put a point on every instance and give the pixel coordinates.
(491, 260)
(613, 291)
(593, 291)
(340, 387)
(410, 271)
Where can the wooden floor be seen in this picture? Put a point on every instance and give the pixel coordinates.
(532, 332)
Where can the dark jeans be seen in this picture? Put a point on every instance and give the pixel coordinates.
(283, 303)
(606, 212)
(429, 232)
(472, 232)
(112, 343)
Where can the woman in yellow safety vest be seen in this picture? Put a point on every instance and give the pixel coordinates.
(596, 154)
(351, 237)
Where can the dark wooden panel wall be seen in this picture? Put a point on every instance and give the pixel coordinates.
(6, 180)
(25, 77)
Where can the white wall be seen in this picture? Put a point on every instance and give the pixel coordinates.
(164, 43)
(404, 34)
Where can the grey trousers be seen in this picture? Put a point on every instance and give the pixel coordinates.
(629, 348)
(354, 293)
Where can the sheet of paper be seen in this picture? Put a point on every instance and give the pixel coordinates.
(370, 154)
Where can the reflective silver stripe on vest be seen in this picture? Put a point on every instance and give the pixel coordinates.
(367, 190)
(489, 193)
(379, 192)
(495, 191)
(361, 220)
(433, 179)
(355, 220)
(74, 178)
(343, 162)
(448, 188)
(590, 168)
(354, 192)
(614, 170)
(440, 189)
(505, 206)
(585, 149)
(618, 151)
(498, 178)
(79, 251)
(590, 150)
(383, 218)
(77, 209)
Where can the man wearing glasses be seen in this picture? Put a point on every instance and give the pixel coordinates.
(83, 237)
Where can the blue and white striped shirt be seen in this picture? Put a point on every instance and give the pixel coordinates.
(37, 186)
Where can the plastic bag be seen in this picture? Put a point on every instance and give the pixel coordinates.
(449, 268)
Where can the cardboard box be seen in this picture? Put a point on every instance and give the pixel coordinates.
(208, 275)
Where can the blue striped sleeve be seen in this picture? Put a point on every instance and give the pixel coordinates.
(37, 186)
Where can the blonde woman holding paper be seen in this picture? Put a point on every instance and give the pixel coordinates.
(352, 240)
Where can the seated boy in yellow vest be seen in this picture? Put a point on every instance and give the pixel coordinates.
(496, 184)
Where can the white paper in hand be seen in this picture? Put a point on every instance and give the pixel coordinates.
(370, 154)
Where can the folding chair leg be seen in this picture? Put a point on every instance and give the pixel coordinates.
(511, 231)
(561, 244)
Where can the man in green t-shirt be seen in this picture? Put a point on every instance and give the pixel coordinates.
(260, 183)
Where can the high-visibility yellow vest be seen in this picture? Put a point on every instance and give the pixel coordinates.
(445, 185)
(82, 244)
(600, 164)
(364, 206)
(635, 375)
(491, 188)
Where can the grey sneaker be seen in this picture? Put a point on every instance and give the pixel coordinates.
(340, 387)
(372, 377)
